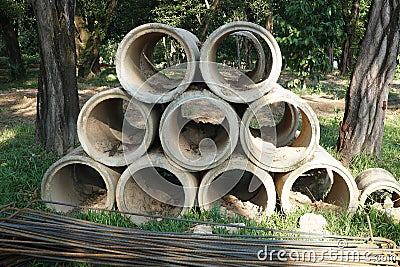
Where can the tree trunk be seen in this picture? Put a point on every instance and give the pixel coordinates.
(89, 39)
(10, 38)
(57, 100)
(207, 24)
(366, 99)
(350, 29)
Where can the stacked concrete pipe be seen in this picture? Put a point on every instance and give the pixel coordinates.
(77, 178)
(133, 65)
(336, 185)
(199, 131)
(145, 189)
(240, 178)
(278, 147)
(116, 129)
(244, 90)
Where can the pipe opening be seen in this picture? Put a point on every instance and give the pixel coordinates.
(238, 84)
(382, 197)
(105, 125)
(163, 64)
(154, 191)
(247, 195)
(78, 184)
(320, 188)
(199, 132)
(278, 134)
(246, 63)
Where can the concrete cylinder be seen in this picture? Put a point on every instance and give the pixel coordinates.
(268, 133)
(257, 74)
(322, 178)
(198, 131)
(152, 185)
(135, 69)
(241, 90)
(116, 129)
(237, 176)
(78, 179)
(378, 181)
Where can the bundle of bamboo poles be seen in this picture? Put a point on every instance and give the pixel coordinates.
(27, 234)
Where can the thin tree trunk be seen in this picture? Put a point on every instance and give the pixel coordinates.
(205, 29)
(57, 100)
(350, 28)
(10, 39)
(366, 99)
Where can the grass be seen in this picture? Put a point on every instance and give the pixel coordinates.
(23, 162)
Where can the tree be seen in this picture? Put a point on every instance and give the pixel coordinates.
(9, 13)
(351, 11)
(366, 98)
(92, 19)
(58, 106)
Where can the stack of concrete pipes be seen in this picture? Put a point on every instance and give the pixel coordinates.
(192, 134)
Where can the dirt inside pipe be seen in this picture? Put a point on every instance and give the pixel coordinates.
(247, 198)
(154, 191)
(79, 184)
(311, 189)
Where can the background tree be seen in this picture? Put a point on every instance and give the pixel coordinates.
(92, 19)
(306, 31)
(58, 107)
(367, 96)
(10, 11)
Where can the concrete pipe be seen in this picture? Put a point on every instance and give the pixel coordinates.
(241, 89)
(135, 67)
(237, 176)
(152, 185)
(116, 129)
(199, 131)
(257, 73)
(375, 184)
(78, 179)
(322, 178)
(268, 133)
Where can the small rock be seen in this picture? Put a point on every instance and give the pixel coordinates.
(395, 212)
(313, 223)
(202, 229)
(231, 229)
(388, 203)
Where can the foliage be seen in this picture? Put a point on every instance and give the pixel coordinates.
(305, 30)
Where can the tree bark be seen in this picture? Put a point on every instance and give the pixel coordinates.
(57, 99)
(9, 36)
(350, 20)
(89, 39)
(207, 24)
(366, 99)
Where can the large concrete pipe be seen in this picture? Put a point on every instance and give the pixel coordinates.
(268, 131)
(258, 72)
(137, 73)
(322, 178)
(240, 178)
(78, 179)
(152, 185)
(199, 131)
(374, 183)
(241, 90)
(116, 129)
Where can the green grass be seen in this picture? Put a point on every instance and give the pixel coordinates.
(23, 162)
(108, 77)
(30, 81)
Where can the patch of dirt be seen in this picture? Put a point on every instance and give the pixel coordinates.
(18, 105)
(231, 206)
